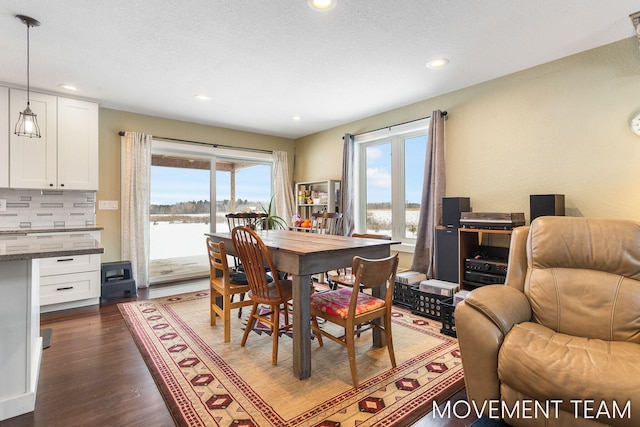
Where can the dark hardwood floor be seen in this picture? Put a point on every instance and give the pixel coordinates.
(94, 375)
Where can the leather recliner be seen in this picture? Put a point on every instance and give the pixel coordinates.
(559, 343)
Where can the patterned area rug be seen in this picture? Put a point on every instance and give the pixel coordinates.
(206, 382)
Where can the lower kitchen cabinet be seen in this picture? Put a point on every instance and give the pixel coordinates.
(68, 287)
(69, 281)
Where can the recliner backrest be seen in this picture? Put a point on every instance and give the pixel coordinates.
(583, 276)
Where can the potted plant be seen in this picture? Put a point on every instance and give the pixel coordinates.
(272, 222)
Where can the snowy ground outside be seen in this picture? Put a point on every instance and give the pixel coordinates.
(179, 247)
(169, 240)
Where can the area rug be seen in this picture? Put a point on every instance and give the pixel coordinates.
(206, 382)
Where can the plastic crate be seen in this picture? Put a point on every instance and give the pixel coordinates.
(427, 304)
(447, 310)
(404, 295)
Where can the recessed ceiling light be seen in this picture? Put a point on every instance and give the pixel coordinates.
(296, 118)
(67, 87)
(203, 97)
(437, 63)
(322, 4)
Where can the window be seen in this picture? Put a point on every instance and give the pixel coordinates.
(184, 181)
(390, 168)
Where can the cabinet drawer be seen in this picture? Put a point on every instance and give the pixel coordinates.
(70, 287)
(69, 264)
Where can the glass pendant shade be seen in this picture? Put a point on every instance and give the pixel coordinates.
(27, 124)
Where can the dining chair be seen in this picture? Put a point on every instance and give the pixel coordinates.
(252, 220)
(357, 311)
(342, 276)
(255, 257)
(249, 219)
(326, 223)
(222, 287)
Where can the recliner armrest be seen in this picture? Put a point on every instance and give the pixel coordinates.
(503, 305)
(482, 321)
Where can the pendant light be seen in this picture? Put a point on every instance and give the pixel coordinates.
(27, 123)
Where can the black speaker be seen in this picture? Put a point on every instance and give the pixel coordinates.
(451, 208)
(447, 254)
(546, 205)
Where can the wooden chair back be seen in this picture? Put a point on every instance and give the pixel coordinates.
(252, 220)
(218, 263)
(327, 223)
(375, 273)
(255, 258)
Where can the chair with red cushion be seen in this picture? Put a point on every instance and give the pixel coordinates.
(357, 311)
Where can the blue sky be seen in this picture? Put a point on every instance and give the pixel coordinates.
(379, 170)
(171, 185)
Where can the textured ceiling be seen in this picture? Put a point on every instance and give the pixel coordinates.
(263, 62)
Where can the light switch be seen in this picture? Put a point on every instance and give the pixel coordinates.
(108, 205)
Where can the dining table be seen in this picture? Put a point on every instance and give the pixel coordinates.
(301, 255)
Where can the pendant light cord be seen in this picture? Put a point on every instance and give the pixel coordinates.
(28, 83)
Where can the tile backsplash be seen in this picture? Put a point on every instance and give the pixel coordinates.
(47, 208)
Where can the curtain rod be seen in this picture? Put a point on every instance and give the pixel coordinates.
(444, 114)
(186, 141)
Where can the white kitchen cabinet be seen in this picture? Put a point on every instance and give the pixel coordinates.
(66, 157)
(69, 281)
(4, 137)
(77, 144)
(33, 161)
(64, 288)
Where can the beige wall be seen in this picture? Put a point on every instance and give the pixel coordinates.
(562, 127)
(113, 121)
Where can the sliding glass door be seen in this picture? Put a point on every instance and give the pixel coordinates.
(184, 181)
(180, 215)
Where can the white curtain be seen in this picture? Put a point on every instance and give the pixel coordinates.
(433, 189)
(135, 182)
(283, 191)
(347, 190)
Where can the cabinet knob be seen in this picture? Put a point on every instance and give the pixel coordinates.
(50, 185)
(61, 185)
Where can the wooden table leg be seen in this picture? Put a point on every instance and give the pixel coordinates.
(301, 328)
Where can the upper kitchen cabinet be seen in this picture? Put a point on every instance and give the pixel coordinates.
(4, 137)
(77, 144)
(66, 157)
(32, 161)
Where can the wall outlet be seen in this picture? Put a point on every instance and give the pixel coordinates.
(108, 205)
(3, 205)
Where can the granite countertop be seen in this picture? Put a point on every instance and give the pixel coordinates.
(23, 231)
(14, 247)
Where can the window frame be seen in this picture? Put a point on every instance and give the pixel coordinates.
(396, 136)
